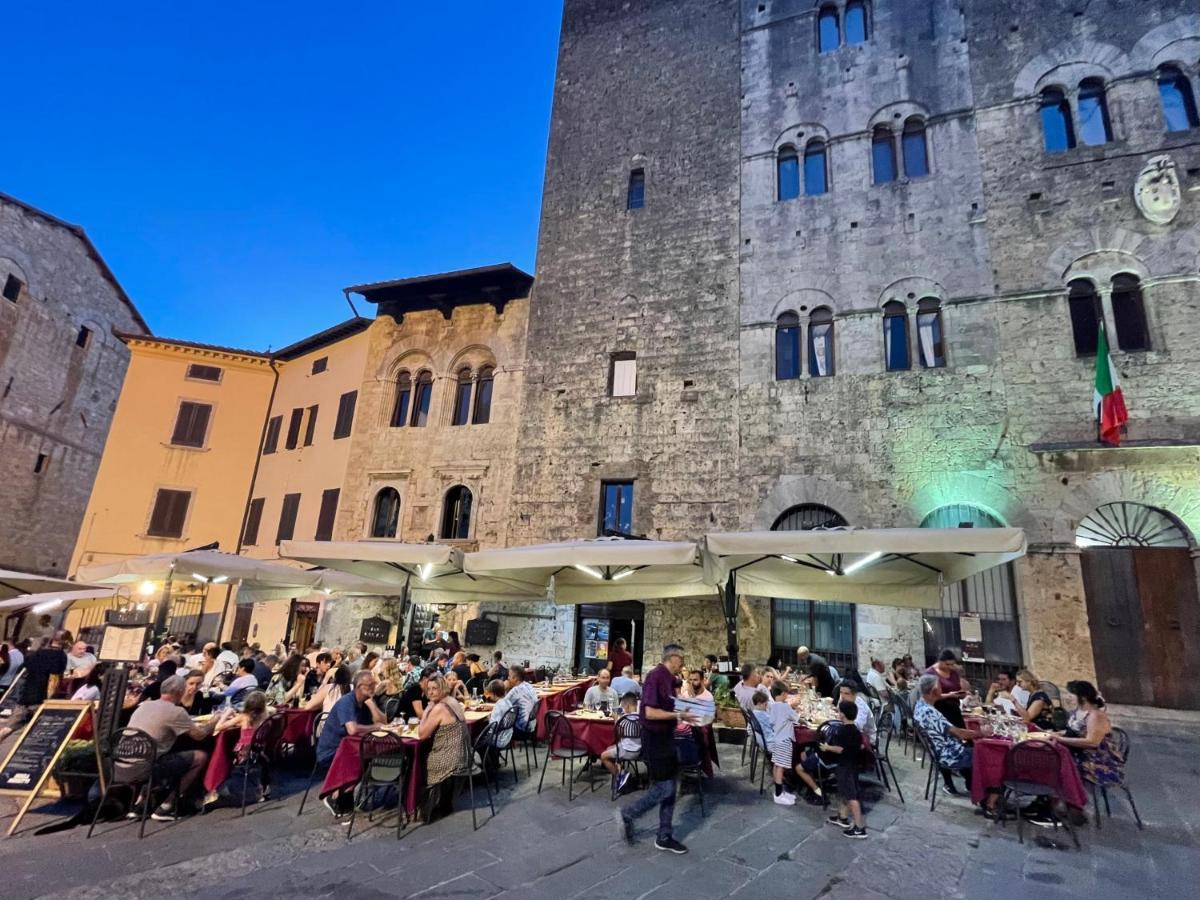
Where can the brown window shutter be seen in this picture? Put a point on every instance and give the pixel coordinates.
(345, 416)
(191, 424)
(311, 431)
(325, 520)
(170, 513)
(253, 520)
(271, 443)
(287, 518)
(293, 432)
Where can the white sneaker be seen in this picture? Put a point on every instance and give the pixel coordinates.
(785, 799)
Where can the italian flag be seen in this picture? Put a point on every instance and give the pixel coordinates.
(1107, 398)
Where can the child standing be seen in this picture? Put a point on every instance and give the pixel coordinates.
(631, 748)
(846, 749)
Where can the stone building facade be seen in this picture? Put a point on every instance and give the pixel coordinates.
(60, 374)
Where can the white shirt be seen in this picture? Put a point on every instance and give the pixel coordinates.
(744, 694)
(876, 680)
(79, 662)
(16, 659)
(87, 692)
(782, 717)
(865, 720)
(227, 658)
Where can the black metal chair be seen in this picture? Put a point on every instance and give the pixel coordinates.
(471, 764)
(318, 727)
(760, 746)
(1120, 739)
(391, 709)
(690, 768)
(264, 747)
(562, 744)
(503, 744)
(628, 727)
(1033, 769)
(528, 738)
(936, 767)
(384, 765)
(1052, 692)
(881, 748)
(129, 763)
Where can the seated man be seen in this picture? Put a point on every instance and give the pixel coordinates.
(865, 719)
(523, 695)
(951, 745)
(627, 683)
(497, 694)
(631, 748)
(745, 689)
(79, 661)
(165, 721)
(877, 678)
(695, 687)
(412, 698)
(1000, 691)
(601, 695)
(498, 669)
(354, 713)
(246, 680)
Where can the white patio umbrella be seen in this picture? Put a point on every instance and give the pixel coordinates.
(599, 570)
(14, 584)
(432, 573)
(883, 566)
(200, 567)
(56, 601)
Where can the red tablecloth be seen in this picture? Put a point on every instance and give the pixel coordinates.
(298, 726)
(987, 770)
(220, 761)
(600, 734)
(563, 700)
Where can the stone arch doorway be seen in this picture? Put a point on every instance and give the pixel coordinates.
(825, 628)
(1140, 582)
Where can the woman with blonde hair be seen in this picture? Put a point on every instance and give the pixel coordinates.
(1038, 710)
(444, 721)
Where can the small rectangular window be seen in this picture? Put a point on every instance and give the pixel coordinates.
(287, 517)
(345, 415)
(311, 431)
(253, 521)
(169, 513)
(197, 372)
(622, 380)
(325, 519)
(293, 432)
(12, 288)
(191, 424)
(271, 442)
(616, 507)
(84, 337)
(320, 365)
(40, 465)
(636, 196)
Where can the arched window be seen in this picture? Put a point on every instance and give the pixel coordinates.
(1094, 127)
(788, 168)
(1058, 134)
(787, 347)
(462, 398)
(1129, 313)
(829, 35)
(1084, 304)
(1178, 101)
(421, 398)
(385, 517)
(883, 155)
(895, 336)
(916, 155)
(1126, 524)
(816, 172)
(856, 22)
(929, 333)
(483, 396)
(403, 400)
(820, 342)
(635, 195)
(456, 514)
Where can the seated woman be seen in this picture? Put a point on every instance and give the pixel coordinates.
(331, 691)
(899, 675)
(389, 682)
(90, 689)
(445, 722)
(287, 685)
(478, 680)
(1089, 735)
(455, 687)
(1039, 711)
(254, 713)
(954, 687)
(460, 667)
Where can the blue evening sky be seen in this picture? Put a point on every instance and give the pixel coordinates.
(238, 164)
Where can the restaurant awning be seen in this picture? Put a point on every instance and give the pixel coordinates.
(600, 570)
(55, 601)
(882, 566)
(14, 584)
(433, 573)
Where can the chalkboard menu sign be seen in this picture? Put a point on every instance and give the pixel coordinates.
(422, 617)
(31, 760)
(375, 630)
(127, 617)
(482, 632)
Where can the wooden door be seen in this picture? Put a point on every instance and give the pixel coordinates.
(303, 629)
(241, 626)
(1166, 580)
(1117, 626)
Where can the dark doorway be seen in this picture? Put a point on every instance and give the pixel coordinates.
(241, 626)
(1144, 618)
(303, 624)
(599, 625)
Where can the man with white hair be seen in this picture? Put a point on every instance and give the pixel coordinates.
(951, 745)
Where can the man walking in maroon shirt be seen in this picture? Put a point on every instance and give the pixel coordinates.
(659, 719)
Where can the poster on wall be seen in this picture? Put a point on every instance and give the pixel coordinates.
(601, 650)
(971, 634)
(589, 649)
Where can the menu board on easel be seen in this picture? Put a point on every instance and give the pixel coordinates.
(29, 764)
(123, 643)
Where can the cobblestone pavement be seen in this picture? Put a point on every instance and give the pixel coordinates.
(546, 846)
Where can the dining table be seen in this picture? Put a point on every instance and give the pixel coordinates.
(559, 696)
(599, 732)
(346, 769)
(987, 770)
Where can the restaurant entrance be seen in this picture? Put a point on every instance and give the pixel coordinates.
(599, 625)
(1140, 581)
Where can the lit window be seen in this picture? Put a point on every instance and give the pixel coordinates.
(883, 155)
(1094, 127)
(622, 376)
(1129, 314)
(421, 400)
(1178, 101)
(787, 347)
(385, 517)
(856, 22)
(616, 507)
(635, 197)
(916, 155)
(929, 333)
(1084, 304)
(788, 167)
(828, 33)
(1058, 134)
(820, 342)
(895, 336)
(456, 514)
(462, 399)
(816, 176)
(403, 400)
(483, 395)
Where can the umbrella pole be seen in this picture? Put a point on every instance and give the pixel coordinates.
(730, 609)
(164, 602)
(401, 629)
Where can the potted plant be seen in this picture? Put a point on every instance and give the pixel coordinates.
(76, 769)
(729, 711)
